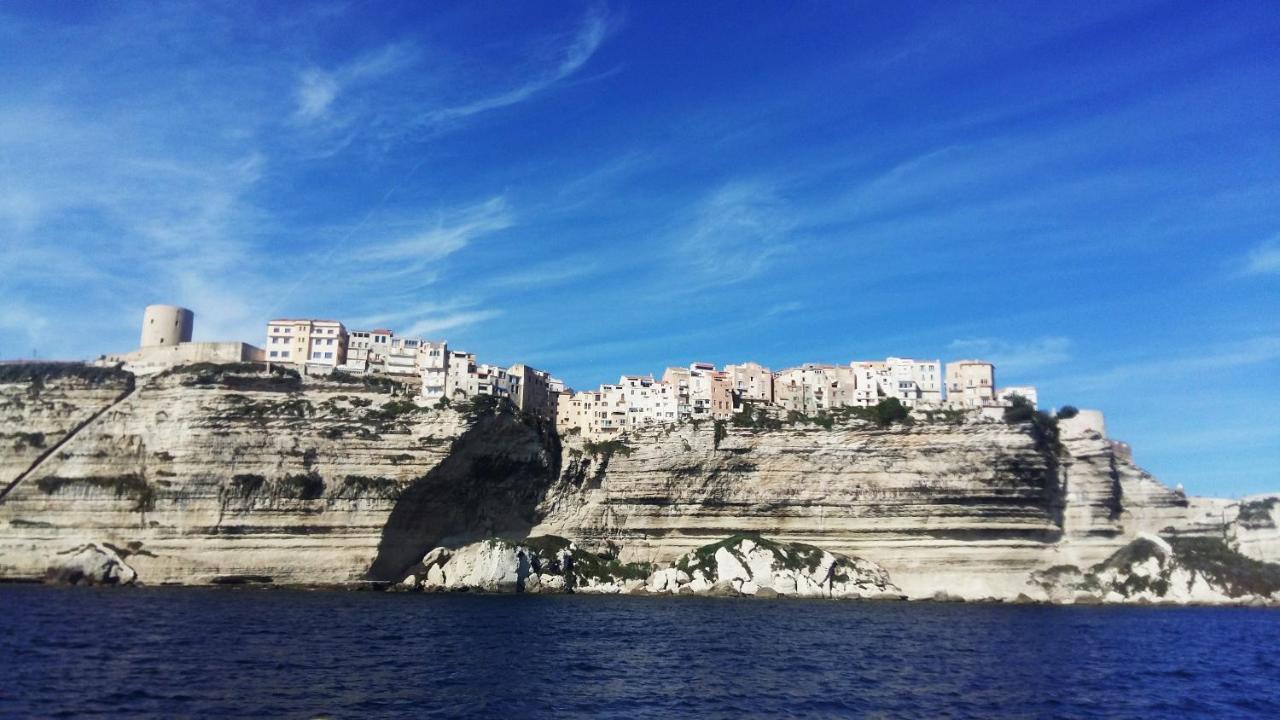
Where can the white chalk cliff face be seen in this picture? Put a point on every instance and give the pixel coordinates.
(228, 474)
(221, 476)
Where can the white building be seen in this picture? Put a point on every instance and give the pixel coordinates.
(750, 381)
(649, 402)
(701, 391)
(916, 383)
(461, 379)
(971, 383)
(814, 387)
(306, 342)
(433, 367)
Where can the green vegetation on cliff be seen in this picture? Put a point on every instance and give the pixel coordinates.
(131, 485)
(37, 373)
(1240, 575)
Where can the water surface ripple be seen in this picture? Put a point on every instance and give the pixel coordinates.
(168, 653)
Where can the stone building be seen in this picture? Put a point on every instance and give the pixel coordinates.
(166, 342)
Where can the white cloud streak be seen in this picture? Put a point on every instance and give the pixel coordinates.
(1014, 356)
(318, 89)
(736, 235)
(1263, 259)
(588, 38)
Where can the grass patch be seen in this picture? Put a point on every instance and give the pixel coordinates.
(1256, 514)
(34, 440)
(240, 376)
(131, 485)
(607, 449)
(372, 383)
(302, 486)
(245, 408)
(357, 485)
(247, 485)
(756, 417)
(1044, 427)
(605, 569)
(39, 373)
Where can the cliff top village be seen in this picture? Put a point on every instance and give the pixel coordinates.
(699, 391)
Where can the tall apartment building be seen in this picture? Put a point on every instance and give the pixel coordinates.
(649, 402)
(872, 382)
(701, 391)
(750, 381)
(433, 367)
(678, 379)
(813, 388)
(306, 342)
(534, 390)
(915, 383)
(971, 383)
(461, 379)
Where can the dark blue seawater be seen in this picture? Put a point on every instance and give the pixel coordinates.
(153, 652)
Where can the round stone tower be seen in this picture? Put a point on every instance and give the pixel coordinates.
(166, 325)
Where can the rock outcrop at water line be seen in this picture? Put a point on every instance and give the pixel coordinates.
(534, 565)
(220, 474)
(1178, 570)
(739, 565)
(91, 564)
(743, 565)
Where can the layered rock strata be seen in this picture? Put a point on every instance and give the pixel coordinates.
(234, 474)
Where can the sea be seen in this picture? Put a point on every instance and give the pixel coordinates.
(253, 653)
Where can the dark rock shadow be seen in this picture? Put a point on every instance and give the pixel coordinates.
(490, 485)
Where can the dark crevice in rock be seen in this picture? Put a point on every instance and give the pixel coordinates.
(489, 485)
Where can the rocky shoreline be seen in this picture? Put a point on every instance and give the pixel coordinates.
(1146, 572)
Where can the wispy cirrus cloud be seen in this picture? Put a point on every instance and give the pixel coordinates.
(1210, 360)
(1263, 259)
(416, 318)
(547, 274)
(318, 88)
(431, 327)
(1015, 356)
(736, 233)
(582, 45)
(447, 233)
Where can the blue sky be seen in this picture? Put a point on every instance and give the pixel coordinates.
(1088, 194)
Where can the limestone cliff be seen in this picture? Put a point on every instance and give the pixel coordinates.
(226, 474)
(216, 474)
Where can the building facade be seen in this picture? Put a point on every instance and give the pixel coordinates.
(971, 383)
(750, 381)
(307, 342)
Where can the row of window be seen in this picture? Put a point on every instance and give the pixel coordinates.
(281, 354)
(318, 355)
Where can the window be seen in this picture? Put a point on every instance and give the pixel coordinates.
(273, 353)
(284, 353)
(328, 356)
(315, 356)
